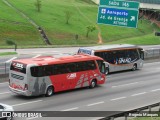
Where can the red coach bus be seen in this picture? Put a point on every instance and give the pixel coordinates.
(46, 75)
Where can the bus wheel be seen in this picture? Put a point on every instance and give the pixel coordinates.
(107, 70)
(49, 91)
(93, 84)
(134, 67)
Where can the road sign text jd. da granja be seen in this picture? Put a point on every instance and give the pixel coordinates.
(118, 13)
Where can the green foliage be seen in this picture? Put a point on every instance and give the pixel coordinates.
(38, 5)
(53, 18)
(9, 42)
(7, 53)
(90, 28)
(68, 15)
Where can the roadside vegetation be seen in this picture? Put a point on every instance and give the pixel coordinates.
(65, 23)
(7, 53)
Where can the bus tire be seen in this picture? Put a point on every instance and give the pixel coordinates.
(49, 91)
(134, 67)
(93, 84)
(107, 71)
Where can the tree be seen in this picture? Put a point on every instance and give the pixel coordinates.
(38, 5)
(68, 15)
(90, 28)
(9, 42)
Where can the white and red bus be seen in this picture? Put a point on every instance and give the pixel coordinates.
(117, 57)
(46, 75)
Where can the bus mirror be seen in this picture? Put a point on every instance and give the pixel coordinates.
(103, 70)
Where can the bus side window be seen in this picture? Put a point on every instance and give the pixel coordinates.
(79, 66)
(70, 67)
(36, 71)
(91, 65)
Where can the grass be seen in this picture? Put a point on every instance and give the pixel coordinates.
(52, 19)
(14, 27)
(8, 53)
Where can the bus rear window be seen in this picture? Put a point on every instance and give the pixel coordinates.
(19, 67)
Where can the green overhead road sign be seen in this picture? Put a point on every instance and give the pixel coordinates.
(118, 13)
(118, 17)
(124, 4)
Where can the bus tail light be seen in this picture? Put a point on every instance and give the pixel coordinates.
(25, 87)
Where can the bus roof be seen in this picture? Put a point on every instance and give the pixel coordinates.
(52, 60)
(110, 47)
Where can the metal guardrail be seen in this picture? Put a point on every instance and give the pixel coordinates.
(145, 111)
(151, 54)
(4, 70)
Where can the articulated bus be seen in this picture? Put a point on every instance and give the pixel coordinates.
(46, 75)
(117, 57)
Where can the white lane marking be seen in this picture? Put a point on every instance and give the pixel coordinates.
(36, 56)
(4, 93)
(152, 63)
(3, 83)
(38, 52)
(155, 90)
(27, 103)
(139, 94)
(55, 51)
(95, 103)
(118, 98)
(11, 59)
(125, 84)
(70, 109)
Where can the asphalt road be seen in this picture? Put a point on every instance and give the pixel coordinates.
(122, 91)
(55, 51)
(36, 52)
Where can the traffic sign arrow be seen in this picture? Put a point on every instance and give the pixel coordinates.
(132, 18)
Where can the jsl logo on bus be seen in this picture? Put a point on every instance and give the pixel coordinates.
(71, 76)
(18, 65)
